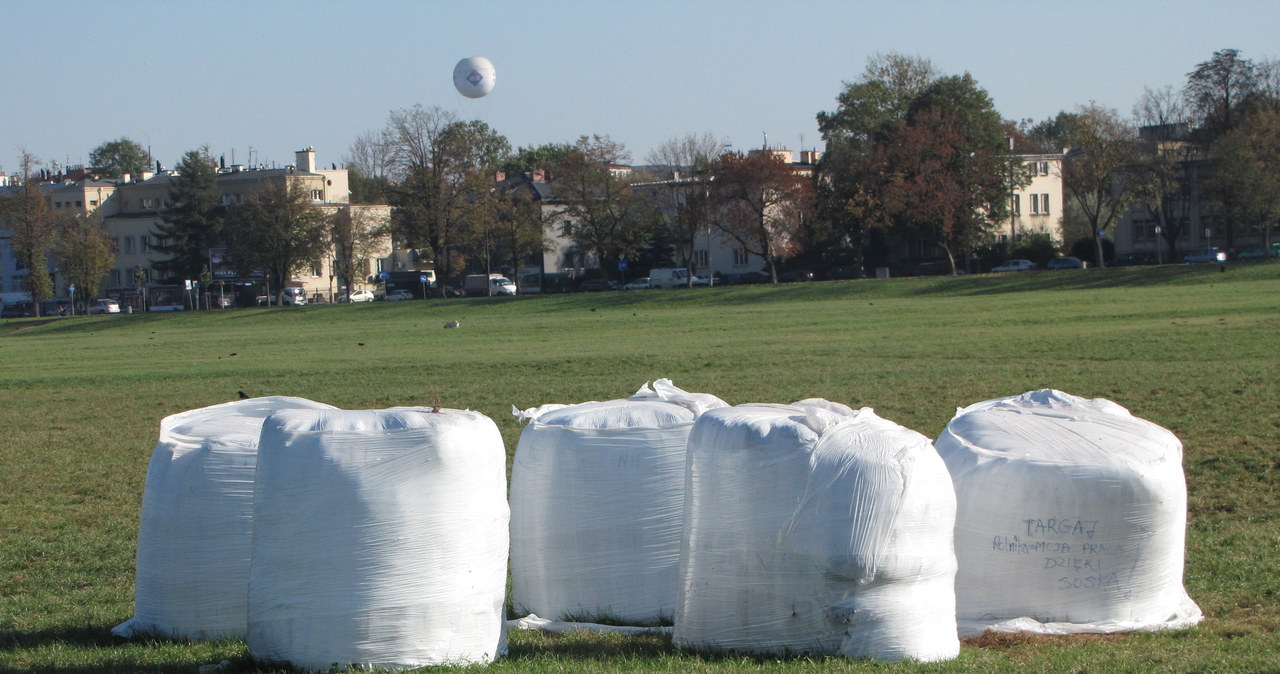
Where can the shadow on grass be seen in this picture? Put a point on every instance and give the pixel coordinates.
(87, 636)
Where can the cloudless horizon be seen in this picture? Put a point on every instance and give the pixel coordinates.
(255, 81)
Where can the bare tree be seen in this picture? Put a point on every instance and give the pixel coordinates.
(1158, 107)
(686, 203)
(31, 231)
(439, 164)
(1162, 176)
(355, 235)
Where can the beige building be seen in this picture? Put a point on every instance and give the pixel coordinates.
(133, 210)
(1037, 208)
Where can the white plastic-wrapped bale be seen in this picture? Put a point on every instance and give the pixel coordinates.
(380, 539)
(196, 524)
(597, 500)
(1071, 517)
(812, 528)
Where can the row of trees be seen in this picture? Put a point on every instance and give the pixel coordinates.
(76, 242)
(1210, 147)
(911, 154)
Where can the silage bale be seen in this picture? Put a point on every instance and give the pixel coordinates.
(597, 499)
(196, 524)
(1071, 517)
(380, 539)
(812, 528)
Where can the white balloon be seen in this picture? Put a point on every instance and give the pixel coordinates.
(474, 76)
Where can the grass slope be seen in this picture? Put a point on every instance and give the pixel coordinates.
(1190, 348)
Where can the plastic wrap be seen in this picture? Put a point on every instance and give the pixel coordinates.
(812, 528)
(380, 539)
(1071, 517)
(597, 499)
(196, 524)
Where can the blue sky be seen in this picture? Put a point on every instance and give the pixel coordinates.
(273, 76)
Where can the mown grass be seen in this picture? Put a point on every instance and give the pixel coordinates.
(1191, 348)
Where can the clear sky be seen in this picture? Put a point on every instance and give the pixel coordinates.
(273, 76)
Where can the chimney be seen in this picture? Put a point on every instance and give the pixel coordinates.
(125, 178)
(539, 176)
(306, 160)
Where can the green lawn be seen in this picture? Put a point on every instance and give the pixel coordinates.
(1191, 348)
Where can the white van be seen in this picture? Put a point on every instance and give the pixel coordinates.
(295, 296)
(677, 277)
(488, 284)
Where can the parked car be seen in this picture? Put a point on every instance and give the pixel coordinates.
(702, 281)
(1016, 265)
(1210, 254)
(104, 306)
(358, 296)
(748, 278)
(17, 310)
(399, 294)
(1259, 253)
(642, 283)
(932, 268)
(795, 275)
(1134, 259)
(1065, 263)
(595, 285)
(849, 272)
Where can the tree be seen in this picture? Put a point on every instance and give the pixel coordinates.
(115, 158)
(1162, 176)
(604, 215)
(439, 164)
(354, 235)
(85, 253)
(520, 226)
(1246, 164)
(884, 95)
(687, 203)
(1102, 148)
(866, 109)
(762, 204)
(369, 165)
(193, 223)
(31, 232)
(1218, 90)
(277, 230)
(536, 158)
(915, 154)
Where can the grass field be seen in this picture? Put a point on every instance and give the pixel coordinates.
(1190, 348)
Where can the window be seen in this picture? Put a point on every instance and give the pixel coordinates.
(1044, 168)
(1035, 204)
(79, 203)
(317, 195)
(1031, 168)
(1044, 204)
(739, 257)
(115, 278)
(1017, 204)
(93, 202)
(128, 244)
(225, 200)
(701, 258)
(144, 243)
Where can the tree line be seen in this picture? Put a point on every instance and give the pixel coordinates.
(911, 154)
